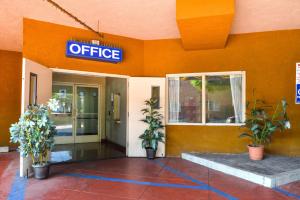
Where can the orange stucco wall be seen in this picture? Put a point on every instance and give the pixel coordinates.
(269, 60)
(204, 24)
(10, 92)
(45, 43)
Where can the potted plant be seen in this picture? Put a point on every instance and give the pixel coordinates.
(152, 135)
(35, 134)
(262, 122)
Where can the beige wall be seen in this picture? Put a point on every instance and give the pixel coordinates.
(44, 80)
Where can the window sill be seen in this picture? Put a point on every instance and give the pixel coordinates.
(202, 124)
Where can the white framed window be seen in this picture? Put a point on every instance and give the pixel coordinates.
(213, 98)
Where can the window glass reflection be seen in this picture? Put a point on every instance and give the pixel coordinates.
(224, 99)
(62, 116)
(87, 111)
(185, 99)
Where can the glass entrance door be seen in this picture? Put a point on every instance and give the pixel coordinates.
(77, 116)
(87, 120)
(63, 116)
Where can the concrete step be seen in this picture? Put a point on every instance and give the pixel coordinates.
(271, 172)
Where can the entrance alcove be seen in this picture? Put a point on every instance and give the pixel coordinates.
(98, 116)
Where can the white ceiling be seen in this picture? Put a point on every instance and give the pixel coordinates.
(141, 19)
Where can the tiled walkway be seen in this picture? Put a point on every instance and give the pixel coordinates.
(133, 178)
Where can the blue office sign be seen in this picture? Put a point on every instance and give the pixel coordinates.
(297, 93)
(298, 83)
(93, 52)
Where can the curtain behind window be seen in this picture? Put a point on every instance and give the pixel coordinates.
(236, 92)
(174, 101)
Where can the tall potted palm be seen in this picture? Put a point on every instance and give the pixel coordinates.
(153, 134)
(261, 124)
(35, 134)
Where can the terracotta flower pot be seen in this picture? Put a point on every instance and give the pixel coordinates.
(256, 153)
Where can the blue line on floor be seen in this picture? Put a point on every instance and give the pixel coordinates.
(186, 177)
(119, 180)
(178, 173)
(287, 193)
(17, 191)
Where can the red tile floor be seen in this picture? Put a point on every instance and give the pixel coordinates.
(133, 178)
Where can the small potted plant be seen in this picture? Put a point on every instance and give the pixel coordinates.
(261, 123)
(152, 135)
(35, 134)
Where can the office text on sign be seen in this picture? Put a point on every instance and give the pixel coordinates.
(93, 52)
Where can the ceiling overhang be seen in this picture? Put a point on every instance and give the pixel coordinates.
(204, 24)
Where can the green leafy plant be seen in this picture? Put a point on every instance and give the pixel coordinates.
(264, 120)
(220, 84)
(153, 134)
(35, 133)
